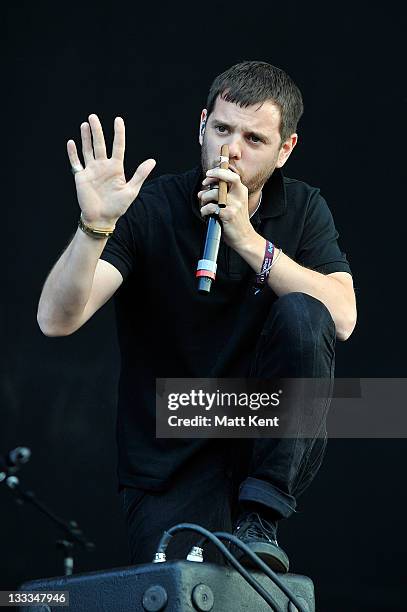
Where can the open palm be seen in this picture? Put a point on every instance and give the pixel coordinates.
(102, 190)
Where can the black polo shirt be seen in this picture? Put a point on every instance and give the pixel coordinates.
(167, 329)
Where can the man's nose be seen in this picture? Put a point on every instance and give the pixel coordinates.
(235, 147)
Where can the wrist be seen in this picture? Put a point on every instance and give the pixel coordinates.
(251, 249)
(98, 221)
(95, 231)
(270, 258)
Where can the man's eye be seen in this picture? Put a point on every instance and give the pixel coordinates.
(220, 128)
(255, 139)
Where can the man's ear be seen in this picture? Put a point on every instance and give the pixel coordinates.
(286, 150)
(202, 125)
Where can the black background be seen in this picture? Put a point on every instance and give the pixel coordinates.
(153, 64)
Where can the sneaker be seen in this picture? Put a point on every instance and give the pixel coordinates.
(260, 536)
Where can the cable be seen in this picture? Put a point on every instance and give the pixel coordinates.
(167, 535)
(259, 562)
(262, 565)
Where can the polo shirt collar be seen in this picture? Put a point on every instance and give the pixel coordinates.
(274, 200)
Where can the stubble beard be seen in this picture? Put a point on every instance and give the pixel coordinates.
(254, 184)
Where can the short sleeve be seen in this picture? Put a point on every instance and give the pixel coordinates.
(125, 247)
(319, 249)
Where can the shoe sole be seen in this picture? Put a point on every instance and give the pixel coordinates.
(276, 560)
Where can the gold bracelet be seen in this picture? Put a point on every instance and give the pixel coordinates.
(95, 232)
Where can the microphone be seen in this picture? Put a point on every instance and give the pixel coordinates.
(206, 268)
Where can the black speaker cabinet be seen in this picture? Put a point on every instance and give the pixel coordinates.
(173, 586)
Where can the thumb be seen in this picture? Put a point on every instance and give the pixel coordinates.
(141, 174)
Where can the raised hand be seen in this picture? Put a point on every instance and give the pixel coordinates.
(101, 187)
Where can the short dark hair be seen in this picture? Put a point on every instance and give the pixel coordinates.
(252, 82)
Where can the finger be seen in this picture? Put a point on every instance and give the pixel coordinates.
(210, 209)
(209, 182)
(73, 156)
(141, 174)
(119, 140)
(220, 211)
(87, 150)
(223, 175)
(209, 195)
(213, 187)
(97, 136)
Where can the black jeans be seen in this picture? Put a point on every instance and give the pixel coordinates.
(297, 341)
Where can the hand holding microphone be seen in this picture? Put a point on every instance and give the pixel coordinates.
(206, 269)
(233, 219)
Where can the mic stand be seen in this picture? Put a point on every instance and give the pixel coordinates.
(73, 534)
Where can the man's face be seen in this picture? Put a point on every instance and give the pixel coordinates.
(253, 136)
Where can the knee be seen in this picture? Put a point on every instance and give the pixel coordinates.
(302, 319)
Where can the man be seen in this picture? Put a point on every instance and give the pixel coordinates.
(274, 315)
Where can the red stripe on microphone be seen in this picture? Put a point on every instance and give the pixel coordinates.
(206, 273)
